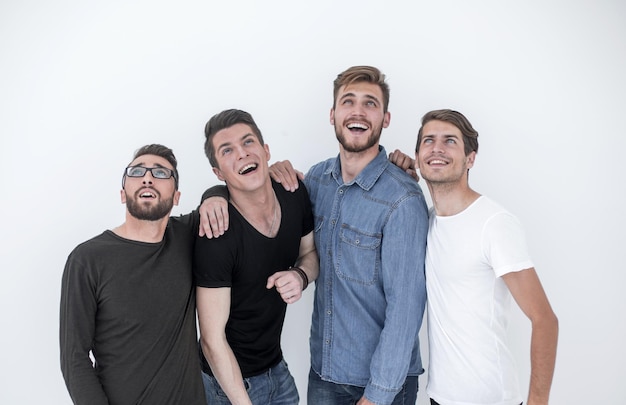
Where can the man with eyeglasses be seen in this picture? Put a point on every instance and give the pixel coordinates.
(128, 299)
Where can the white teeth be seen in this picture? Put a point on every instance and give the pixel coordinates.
(247, 168)
(437, 162)
(353, 125)
(147, 195)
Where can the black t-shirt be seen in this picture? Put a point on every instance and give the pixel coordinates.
(243, 259)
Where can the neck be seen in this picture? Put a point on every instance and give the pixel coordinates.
(260, 208)
(353, 163)
(450, 199)
(142, 231)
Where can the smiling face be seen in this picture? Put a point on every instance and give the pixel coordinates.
(241, 158)
(441, 155)
(148, 198)
(358, 116)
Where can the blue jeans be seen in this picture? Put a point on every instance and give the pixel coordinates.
(276, 386)
(327, 393)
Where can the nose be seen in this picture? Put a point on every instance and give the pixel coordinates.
(438, 145)
(147, 178)
(358, 110)
(241, 152)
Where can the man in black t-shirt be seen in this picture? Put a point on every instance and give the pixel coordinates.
(246, 278)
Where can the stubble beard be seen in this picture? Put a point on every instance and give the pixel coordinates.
(357, 148)
(149, 213)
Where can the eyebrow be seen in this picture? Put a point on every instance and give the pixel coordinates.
(368, 96)
(225, 144)
(446, 136)
(144, 165)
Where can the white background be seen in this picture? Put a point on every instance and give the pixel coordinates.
(83, 84)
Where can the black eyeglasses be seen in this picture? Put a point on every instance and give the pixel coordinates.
(157, 172)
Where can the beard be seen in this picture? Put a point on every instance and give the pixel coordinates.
(356, 147)
(145, 212)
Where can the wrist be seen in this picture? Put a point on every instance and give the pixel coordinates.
(303, 276)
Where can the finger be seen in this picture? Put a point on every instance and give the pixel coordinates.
(271, 282)
(284, 173)
(225, 218)
(205, 226)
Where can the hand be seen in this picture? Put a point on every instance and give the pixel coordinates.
(284, 173)
(404, 162)
(213, 217)
(364, 401)
(288, 284)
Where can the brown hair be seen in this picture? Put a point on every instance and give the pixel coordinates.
(357, 74)
(223, 120)
(161, 151)
(470, 135)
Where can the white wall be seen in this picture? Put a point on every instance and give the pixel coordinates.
(83, 84)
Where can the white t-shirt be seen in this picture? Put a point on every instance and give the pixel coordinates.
(468, 304)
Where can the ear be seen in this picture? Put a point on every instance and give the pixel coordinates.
(470, 159)
(267, 152)
(123, 196)
(218, 173)
(332, 116)
(176, 197)
(417, 161)
(386, 119)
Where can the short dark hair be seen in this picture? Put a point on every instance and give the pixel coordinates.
(470, 135)
(357, 74)
(161, 151)
(223, 120)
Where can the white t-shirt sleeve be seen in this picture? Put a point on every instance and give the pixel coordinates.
(504, 244)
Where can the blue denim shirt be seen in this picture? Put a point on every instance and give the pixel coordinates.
(370, 235)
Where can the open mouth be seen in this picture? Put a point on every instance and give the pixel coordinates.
(147, 194)
(437, 162)
(357, 126)
(248, 168)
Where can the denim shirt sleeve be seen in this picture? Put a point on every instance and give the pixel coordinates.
(403, 253)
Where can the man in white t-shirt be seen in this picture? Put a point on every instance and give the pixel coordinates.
(476, 260)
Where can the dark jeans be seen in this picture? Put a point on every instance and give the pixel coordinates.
(322, 392)
(275, 387)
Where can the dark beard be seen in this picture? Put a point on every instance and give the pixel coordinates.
(371, 141)
(154, 213)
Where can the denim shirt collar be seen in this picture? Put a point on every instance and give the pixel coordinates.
(368, 176)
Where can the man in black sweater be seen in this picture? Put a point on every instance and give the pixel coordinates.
(128, 300)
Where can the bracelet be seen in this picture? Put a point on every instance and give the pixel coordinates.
(303, 276)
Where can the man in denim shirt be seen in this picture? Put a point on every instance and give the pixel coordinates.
(371, 223)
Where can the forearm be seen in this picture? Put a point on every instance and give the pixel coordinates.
(308, 259)
(76, 334)
(80, 377)
(310, 264)
(542, 359)
(226, 371)
(219, 190)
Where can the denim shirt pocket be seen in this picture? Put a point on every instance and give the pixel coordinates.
(358, 258)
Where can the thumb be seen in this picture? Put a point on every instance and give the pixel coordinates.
(271, 281)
